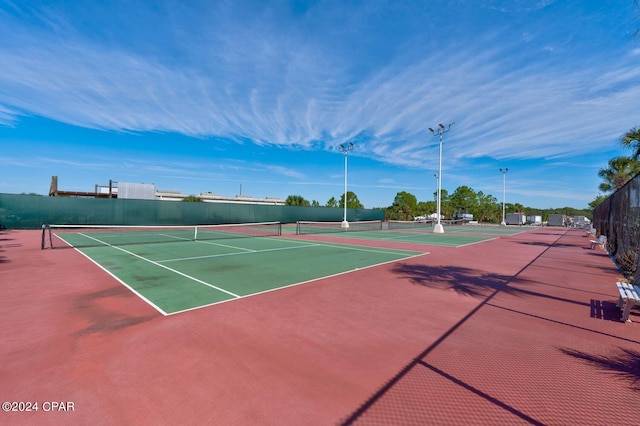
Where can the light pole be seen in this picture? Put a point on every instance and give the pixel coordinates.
(504, 193)
(438, 229)
(435, 175)
(345, 148)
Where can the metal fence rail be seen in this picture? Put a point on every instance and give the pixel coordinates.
(618, 218)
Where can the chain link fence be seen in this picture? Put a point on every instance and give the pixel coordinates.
(618, 218)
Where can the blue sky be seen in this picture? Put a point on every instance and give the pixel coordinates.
(209, 96)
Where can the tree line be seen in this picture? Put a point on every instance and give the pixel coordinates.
(484, 207)
(352, 201)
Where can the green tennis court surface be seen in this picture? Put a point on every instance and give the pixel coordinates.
(178, 276)
(416, 237)
(489, 229)
(411, 232)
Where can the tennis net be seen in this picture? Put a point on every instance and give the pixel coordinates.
(112, 235)
(410, 224)
(310, 227)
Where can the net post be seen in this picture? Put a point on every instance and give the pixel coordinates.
(43, 243)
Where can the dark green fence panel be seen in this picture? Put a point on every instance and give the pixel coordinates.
(618, 218)
(32, 211)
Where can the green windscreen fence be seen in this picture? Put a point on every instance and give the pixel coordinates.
(33, 211)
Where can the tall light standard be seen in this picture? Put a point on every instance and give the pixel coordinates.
(345, 148)
(435, 175)
(504, 193)
(438, 229)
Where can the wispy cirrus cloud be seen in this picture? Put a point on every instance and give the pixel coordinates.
(313, 78)
(8, 117)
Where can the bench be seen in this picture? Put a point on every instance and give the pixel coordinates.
(629, 297)
(601, 241)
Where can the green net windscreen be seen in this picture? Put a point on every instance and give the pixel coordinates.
(32, 211)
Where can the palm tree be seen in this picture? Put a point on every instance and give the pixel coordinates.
(631, 139)
(620, 171)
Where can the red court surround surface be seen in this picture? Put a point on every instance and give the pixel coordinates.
(517, 330)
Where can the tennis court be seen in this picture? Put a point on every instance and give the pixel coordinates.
(176, 269)
(448, 338)
(457, 235)
(490, 229)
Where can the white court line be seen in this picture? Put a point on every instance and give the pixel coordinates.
(223, 245)
(408, 238)
(478, 242)
(174, 237)
(168, 269)
(401, 236)
(303, 245)
(369, 250)
(356, 247)
(517, 233)
(209, 256)
(295, 284)
(149, 302)
(300, 245)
